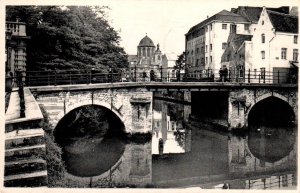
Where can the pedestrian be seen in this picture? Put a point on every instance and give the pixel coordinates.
(221, 75)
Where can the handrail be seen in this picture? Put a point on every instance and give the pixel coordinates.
(159, 74)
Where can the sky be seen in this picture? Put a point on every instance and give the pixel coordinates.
(165, 21)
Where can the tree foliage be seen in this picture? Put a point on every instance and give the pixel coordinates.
(180, 62)
(72, 37)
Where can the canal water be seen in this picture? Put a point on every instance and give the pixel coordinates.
(183, 152)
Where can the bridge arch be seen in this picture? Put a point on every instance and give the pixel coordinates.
(273, 103)
(79, 104)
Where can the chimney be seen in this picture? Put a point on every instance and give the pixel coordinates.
(294, 11)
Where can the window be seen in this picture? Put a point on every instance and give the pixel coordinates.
(241, 71)
(295, 54)
(262, 22)
(283, 53)
(224, 45)
(263, 54)
(295, 39)
(197, 62)
(224, 26)
(206, 60)
(197, 50)
(205, 48)
(210, 47)
(263, 39)
(246, 26)
(210, 59)
(192, 52)
(144, 52)
(210, 26)
(262, 73)
(158, 57)
(233, 28)
(148, 52)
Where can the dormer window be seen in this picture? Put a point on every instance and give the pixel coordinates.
(262, 22)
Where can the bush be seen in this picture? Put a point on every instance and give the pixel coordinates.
(55, 165)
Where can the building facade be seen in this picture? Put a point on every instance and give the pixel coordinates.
(206, 41)
(147, 64)
(257, 39)
(270, 53)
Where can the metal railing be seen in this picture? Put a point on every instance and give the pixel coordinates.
(142, 74)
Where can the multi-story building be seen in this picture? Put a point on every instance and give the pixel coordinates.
(15, 48)
(206, 41)
(270, 53)
(247, 38)
(147, 62)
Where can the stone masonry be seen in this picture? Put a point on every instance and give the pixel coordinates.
(132, 106)
(241, 101)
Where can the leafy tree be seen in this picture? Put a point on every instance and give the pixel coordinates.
(65, 38)
(180, 62)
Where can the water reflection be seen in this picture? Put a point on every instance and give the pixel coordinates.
(169, 132)
(194, 152)
(181, 153)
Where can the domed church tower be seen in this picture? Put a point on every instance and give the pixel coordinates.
(145, 51)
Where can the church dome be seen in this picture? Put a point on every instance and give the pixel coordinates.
(146, 42)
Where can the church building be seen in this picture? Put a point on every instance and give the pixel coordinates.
(147, 64)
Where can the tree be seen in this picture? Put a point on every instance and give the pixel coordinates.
(69, 38)
(180, 62)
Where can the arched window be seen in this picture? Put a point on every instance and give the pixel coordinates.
(144, 52)
(263, 39)
(148, 52)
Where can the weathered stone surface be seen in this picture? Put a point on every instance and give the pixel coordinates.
(34, 179)
(132, 106)
(24, 166)
(241, 101)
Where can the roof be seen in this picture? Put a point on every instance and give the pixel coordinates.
(239, 39)
(146, 42)
(253, 13)
(235, 41)
(283, 22)
(224, 16)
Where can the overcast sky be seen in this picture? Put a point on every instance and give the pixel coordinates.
(167, 21)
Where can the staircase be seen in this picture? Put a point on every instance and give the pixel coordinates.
(25, 164)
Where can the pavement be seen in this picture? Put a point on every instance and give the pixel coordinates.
(32, 109)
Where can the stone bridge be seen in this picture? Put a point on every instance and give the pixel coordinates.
(132, 102)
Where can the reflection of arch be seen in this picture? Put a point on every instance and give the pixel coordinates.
(84, 103)
(253, 165)
(265, 97)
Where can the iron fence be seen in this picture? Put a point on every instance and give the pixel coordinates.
(159, 74)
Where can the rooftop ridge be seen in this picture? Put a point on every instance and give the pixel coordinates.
(283, 14)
